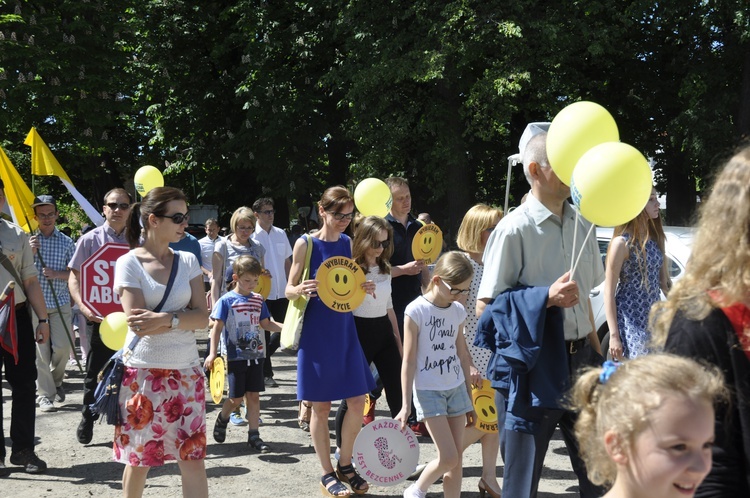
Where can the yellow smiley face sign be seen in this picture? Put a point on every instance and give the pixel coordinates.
(217, 380)
(427, 243)
(340, 282)
(484, 404)
(264, 286)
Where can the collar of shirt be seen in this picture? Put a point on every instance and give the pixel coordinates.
(539, 212)
(111, 231)
(409, 219)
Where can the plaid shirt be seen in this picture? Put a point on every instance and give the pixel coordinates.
(57, 250)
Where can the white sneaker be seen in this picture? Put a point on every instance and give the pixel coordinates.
(46, 405)
(414, 492)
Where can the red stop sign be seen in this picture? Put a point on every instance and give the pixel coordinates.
(97, 277)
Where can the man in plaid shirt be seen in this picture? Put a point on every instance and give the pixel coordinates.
(55, 249)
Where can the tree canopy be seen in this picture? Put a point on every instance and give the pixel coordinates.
(238, 99)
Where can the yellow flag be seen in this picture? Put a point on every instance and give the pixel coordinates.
(17, 194)
(43, 162)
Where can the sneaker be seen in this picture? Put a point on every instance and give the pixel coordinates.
(237, 419)
(32, 464)
(220, 429)
(414, 492)
(269, 382)
(46, 405)
(60, 394)
(85, 430)
(417, 472)
(3, 469)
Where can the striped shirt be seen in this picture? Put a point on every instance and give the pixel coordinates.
(56, 250)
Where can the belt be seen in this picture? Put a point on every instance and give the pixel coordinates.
(21, 306)
(572, 347)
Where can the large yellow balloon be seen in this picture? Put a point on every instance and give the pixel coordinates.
(113, 329)
(611, 184)
(146, 178)
(373, 197)
(576, 129)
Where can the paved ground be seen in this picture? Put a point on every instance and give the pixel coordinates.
(291, 470)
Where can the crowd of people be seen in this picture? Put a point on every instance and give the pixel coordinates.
(670, 413)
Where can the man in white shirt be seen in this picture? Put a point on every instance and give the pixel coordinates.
(208, 245)
(278, 262)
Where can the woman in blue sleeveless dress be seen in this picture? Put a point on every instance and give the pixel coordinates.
(636, 271)
(330, 362)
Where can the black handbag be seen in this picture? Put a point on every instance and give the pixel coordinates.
(107, 393)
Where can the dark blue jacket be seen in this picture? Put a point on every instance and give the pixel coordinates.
(529, 358)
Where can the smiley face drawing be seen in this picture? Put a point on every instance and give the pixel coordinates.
(264, 286)
(340, 284)
(427, 243)
(484, 405)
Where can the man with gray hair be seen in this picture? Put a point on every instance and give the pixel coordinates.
(532, 248)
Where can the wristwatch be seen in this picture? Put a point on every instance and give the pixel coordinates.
(44, 320)
(175, 321)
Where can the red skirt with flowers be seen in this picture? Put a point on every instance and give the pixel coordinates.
(164, 413)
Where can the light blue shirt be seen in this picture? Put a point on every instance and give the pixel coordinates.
(531, 246)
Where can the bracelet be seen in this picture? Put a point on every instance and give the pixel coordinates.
(44, 320)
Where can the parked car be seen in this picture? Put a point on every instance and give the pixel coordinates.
(679, 241)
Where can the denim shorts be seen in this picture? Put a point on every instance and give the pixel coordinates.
(448, 403)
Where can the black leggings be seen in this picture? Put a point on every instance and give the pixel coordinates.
(379, 345)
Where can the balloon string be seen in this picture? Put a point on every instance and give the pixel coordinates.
(575, 232)
(581, 251)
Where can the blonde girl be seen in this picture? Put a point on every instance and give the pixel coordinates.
(645, 427)
(435, 371)
(635, 261)
(475, 230)
(707, 317)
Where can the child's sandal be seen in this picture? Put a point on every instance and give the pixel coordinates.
(331, 486)
(348, 475)
(254, 440)
(220, 429)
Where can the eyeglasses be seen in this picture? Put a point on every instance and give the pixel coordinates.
(46, 216)
(176, 218)
(114, 205)
(341, 216)
(376, 244)
(455, 292)
(245, 229)
(267, 212)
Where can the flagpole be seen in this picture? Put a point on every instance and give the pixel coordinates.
(57, 304)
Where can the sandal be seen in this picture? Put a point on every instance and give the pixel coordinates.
(303, 418)
(220, 429)
(331, 486)
(254, 440)
(348, 475)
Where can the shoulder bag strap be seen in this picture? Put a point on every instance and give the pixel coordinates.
(170, 282)
(306, 271)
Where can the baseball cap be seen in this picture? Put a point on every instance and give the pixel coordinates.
(42, 200)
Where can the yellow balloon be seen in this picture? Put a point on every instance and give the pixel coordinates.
(611, 184)
(146, 178)
(576, 129)
(113, 329)
(373, 197)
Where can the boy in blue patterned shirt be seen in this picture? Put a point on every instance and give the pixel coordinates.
(238, 318)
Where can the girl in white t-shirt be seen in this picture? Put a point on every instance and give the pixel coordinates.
(436, 371)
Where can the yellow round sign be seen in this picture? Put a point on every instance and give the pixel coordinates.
(217, 380)
(427, 244)
(264, 286)
(340, 282)
(484, 405)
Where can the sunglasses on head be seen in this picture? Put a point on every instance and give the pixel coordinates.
(176, 218)
(380, 243)
(114, 205)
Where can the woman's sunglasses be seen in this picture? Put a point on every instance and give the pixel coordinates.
(375, 244)
(176, 218)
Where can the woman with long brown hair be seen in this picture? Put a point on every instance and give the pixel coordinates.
(707, 317)
(635, 272)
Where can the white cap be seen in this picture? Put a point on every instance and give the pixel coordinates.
(531, 130)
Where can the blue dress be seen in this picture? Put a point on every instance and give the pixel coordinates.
(330, 361)
(634, 298)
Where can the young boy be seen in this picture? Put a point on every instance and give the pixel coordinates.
(238, 316)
